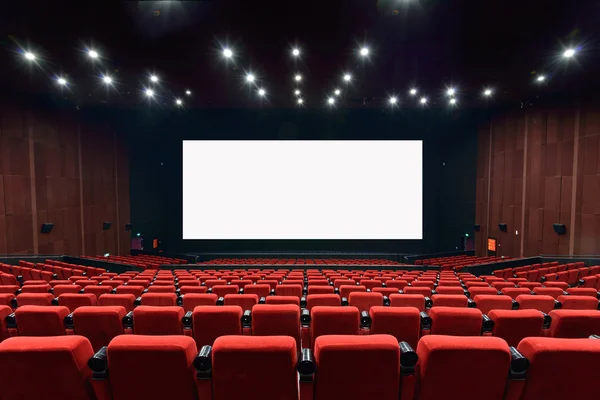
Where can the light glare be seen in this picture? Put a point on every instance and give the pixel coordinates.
(227, 53)
(569, 53)
(451, 92)
(149, 92)
(347, 77)
(92, 54)
(300, 101)
(261, 92)
(453, 101)
(337, 92)
(178, 102)
(364, 51)
(188, 92)
(296, 52)
(250, 78)
(487, 92)
(393, 100)
(541, 78)
(298, 78)
(62, 81)
(331, 100)
(297, 92)
(413, 91)
(30, 56)
(107, 79)
(154, 78)
(423, 100)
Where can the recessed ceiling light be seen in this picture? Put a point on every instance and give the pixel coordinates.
(149, 92)
(227, 52)
(364, 51)
(331, 100)
(92, 54)
(107, 79)
(569, 53)
(300, 101)
(297, 92)
(154, 78)
(261, 92)
(413, 91)
(347, 77)
(453, 101)
(337, 92)
(393, 100)
(296, 52)
(298, 78)
(423, 100)
(178, 102)
(541, 78)
(487, 92)
(451, 92)
(250, 78)
(61, 81)
(188, 92)
(30, 56)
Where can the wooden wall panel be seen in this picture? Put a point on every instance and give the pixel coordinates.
(40, 182)
(553, 143)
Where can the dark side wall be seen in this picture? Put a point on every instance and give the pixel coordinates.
(66, 167)
(448, 170)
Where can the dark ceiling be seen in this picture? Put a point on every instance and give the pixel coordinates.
(429, 43)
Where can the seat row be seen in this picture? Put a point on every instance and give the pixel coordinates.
(270, 367)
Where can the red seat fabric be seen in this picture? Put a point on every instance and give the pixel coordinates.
(99, 324)
(36, 288)
(542, 303)
(130, 289)
(364, 301)
(449, 300)
(5, 311)
(346, 290)
(408, 300)
(554, 292)
(41, 320)
(192, 289)
(61, 289)
(561, 285)
(161, 320)
(159, 299)
(289, 290)
(378, 354)
(334, 321)
(514, 292)
(450, 290)
(276, 320)
(283, 300)
(224, 290)
(65, 371)
(254, 367)
(34, 299)
(574, 323)
(404, 323)
(578, 302)
(456, 321)
(258, 289)
(74, 300)
(560, 368)
(211, 322)
(320, 289)
(171, 359)
(425, 291)
(161, 289)
(476, 290)
(485, 303)
(124, 300)
(97, 290)
(313, 300)
(193, 300)
(444, 359)
(514, 325)
(246, 301)
(12, 289)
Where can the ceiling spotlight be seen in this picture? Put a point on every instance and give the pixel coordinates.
(337, 92)
(487, 92)
(393, 100)
(61, 81)
(178, 102)
(413, 91)
(300, 101)
(451, 92)
(188, 92)
(298, 78)
(347, 77)
(569, 53)
(296, 52)
(297, 92)
(453, 101)
(250, 78)
(331, 100)
(149, 92)
(423, 100)
(30, 56)
(92, 54)
(227, 53)
(541, 78)
(364, 51)
(107, 79)
(154, 78)
(261, 92)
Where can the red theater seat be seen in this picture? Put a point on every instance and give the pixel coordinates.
(485, 303)
(574, 323)
(542, 303)
(456, 321)
(5, 311)
(193, 300)
(258, 289)
(334, 321)
(152, 367)
(514, 292)
(578, 302)
(313, 300)
(425, 291)
(276, 320)
(554, 292)
(130, 289)
(378, 356)
(225, 290)
(246, 301)
(253, 368)
(443, 361)
(159, 299)
(561, 369)
(64, 362)
(364, 301)
(161, 320)
(514, 325)
(404, 323)
(41, 320)
(74, 300)
(97, 290)
(192, 289)
(211, 322)
(124, 300)
(99, 324)
(408, 300)
(283, 300)
(450, 290)
(289, 290)
(450, 300)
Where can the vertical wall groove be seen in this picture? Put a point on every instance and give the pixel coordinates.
(34, 221)
(574, 185)
(80, 188)
(117, 192)
(524, 194)
(489, 188)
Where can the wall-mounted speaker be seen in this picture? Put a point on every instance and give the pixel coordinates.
(503, 227)
(477, 227)
(127, 227)
(47, 227)
(106, 225)
(561, 229)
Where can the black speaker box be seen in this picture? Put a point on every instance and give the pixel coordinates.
(503, 227)
(477, 227)
(127, 227)
(106, 225)
(561, 229)
(47, 227)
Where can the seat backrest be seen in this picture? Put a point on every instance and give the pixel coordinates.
(283, 300)
(578, 302)
(514, 325)
(378, 354)
(289, 290)
(41, 320)
(223, 290)
(61, 289)
(444, 359)
(159, 299)
(514, 292)
(313, 300)
(74, 300)
(211, 322)
(262, 366)
(158, 320)
(97, 290)
(456, 321)
(542, 303)
(450, 300)
(63, 360)
(193, 300)
(99, 324)
(277, 320)
(327, 320)
(34, 299)
(258, 289)
(579, 291)
(554, 292)
(364, 301)
(408, 300)
(560, 368)
(135, 362)
(574, 323)
(425, 291)
(5, 311)
(487, 302)
(161, 289)
(246, 301)
(450, 290)
(35, 288)
(404, 323)
(124, 300)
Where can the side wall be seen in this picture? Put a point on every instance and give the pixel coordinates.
(66, 168)
(536, 168)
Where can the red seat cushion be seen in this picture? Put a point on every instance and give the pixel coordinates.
(246, 301)
(514, 325)
(124, 300)
(364, 301)
(74, 300)
(99, 324)
(404, 323)
(573, 302)
(211, 322)
(313, 300)
(159, 299)
(574, 323)
(283, 300)
(276, 320)
(485, 303)
(334, 321)
(450, 300)
(41, 320)
(408, 300)
(535, 302)
(456, 321)
(161, 320)
(193, 300)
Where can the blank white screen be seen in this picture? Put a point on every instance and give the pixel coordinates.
(302, 189)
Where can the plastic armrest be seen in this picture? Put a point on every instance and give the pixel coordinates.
(128, 320)
(408, 359)
(98, 363)
(428, 302)
(262, 300)
(247, 319)
(386, 301)
(557, 305)
(515, 305)
(68, 322)
(203, 363)
(305, 317)
(471, 303)
(547, 321)
(220, 301)
(594, 337)
(137, 302)
(186, 321)
(344, 301)
(55, 301)
(487, 324)
(365, 320)
(303, 302)
(425, 321)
